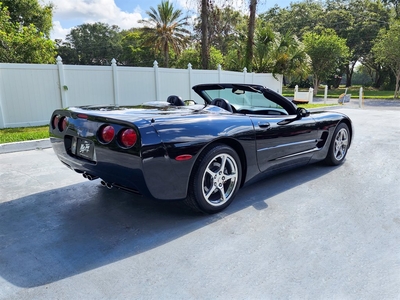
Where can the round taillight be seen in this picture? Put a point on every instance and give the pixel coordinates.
(107, 134)
(128, 137)
(55, 121)
(63, 124)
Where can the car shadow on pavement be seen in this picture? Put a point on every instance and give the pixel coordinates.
(60, 233)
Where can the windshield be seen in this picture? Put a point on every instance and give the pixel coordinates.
(241, 99)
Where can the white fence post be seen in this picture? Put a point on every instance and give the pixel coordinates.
(115, 81)
(156, 80)
(244, 74)
(326, 94)
(63, 85)
(361, 97)
(219, 73)
(1, 115)
(2, 123)
(190, 80)
(311, 95)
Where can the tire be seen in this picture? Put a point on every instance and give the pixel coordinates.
(215, 180)
(339, 145)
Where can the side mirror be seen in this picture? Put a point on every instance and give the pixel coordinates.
(302, 113)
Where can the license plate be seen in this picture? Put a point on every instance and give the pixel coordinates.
(85, 149)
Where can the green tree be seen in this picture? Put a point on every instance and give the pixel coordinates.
(95, 44)
(165, 29)
(264, 48)
(30, 12)
(395, 4)
(298, 18)
(222, 27)
(387, 51)
(359, 22)
(327, 52)
(68, 54)
(193, 56)
(291, 58)
(134, 53)
(23, 43)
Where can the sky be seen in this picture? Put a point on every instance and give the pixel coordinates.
(124, 13)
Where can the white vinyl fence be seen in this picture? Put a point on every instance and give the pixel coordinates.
(29, 93)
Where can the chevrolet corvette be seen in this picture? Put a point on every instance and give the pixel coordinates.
(200, 152)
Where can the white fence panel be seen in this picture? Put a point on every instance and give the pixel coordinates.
(173, 82)
(270, 81)
(136, 85)
(88, 86)
(232, 77)
(29, 93)
(28, 96)
(202, 76)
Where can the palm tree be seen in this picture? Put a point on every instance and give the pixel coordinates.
(250, 37)
(205, 47)
(165, 29)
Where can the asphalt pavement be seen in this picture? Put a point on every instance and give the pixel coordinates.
(314, 233)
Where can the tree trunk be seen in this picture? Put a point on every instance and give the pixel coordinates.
(349, 74)
(316, 85)
(250, 37)
(205, 48)
(166, 56)
(397, 89)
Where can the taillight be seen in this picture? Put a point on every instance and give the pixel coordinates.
(60, 123)
(107, 134)
(127, 137)
(63, 124)
(55, 121)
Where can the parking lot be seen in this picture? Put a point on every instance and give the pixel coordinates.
(314, 233)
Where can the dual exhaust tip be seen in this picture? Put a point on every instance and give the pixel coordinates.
(106, 184)
(103, 183)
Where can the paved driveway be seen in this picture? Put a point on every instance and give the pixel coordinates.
(315, 233)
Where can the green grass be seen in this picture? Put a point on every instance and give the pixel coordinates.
(308, 106)
(10, 135)
(369, 93)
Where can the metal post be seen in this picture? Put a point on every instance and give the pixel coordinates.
(63, 85)
(115, 81)
(2, 123)
(190, 81)
(156, 80)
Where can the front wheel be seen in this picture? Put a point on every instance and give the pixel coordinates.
(215, 180)
(339, 145)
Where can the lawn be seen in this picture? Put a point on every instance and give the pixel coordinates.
(369, 93)
(10, 135)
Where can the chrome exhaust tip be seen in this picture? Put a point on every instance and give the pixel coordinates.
(106, 184)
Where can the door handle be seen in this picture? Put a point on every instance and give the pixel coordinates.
(263, 124)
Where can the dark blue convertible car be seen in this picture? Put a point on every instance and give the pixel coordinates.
(203, 152)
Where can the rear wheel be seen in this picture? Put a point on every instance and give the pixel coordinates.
(339, 145)
(215, 180)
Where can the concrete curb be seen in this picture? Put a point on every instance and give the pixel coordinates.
(25, 146)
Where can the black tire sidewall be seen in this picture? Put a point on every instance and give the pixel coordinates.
(331, 159)
(198, 177)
